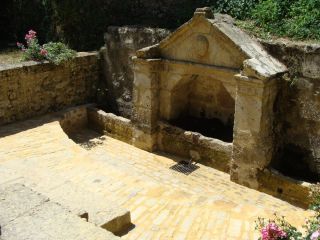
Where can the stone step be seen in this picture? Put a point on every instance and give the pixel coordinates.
(93, 206)
(27, 215)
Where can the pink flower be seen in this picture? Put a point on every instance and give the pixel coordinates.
(315, 235)
(31, 35)
(272, 232)
(21, 46)
(43, 52)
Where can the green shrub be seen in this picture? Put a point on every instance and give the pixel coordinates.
(304, 20)
(299, 19)
(58, 52)
(53, 52)
(240, 9)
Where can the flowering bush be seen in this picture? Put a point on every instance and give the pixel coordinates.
(279, 228)
(272, 231)
(52, 52)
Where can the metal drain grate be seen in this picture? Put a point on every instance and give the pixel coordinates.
(184, 167)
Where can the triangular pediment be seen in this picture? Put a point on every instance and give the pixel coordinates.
(199, 41)
(215, 41)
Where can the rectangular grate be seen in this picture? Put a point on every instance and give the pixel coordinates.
(184, 167)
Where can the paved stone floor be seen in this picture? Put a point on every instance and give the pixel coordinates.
(164, 204)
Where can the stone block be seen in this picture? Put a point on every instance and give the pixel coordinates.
(110, 124)
(146, 140)
(145, 117)
(211, 152)
(116, 220)
(106, 214)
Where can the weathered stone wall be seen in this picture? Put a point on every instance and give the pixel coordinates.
(121, 43)
(111, 125)
(210, 152)
(298, 106)
(31, 89)
(210, 99)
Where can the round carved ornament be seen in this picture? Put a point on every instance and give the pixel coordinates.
(201, 46)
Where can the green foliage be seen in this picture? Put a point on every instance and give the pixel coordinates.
(298, 19)
(53, 52)
(240, 9)
(315, 206)
(304, 20)
(33, 51)
(58, 52)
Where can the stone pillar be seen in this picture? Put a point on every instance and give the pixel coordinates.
(145, 104)
(253, 129)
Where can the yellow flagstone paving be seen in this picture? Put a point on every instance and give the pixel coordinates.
(164, 204)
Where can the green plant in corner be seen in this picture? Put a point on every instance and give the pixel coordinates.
(54, 52)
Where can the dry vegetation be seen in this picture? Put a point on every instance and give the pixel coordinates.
(10, 56)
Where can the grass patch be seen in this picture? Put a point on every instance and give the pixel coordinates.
(10, 56)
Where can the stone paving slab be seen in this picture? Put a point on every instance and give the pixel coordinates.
(51, 222)
(103, 213)
(17, 200)
(27, 215)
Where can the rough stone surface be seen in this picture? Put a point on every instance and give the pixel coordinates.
(31, 89)
(299, 128)
(27, 215)
(211, 152)
(121, 43)
(17, 200)
(111, 125)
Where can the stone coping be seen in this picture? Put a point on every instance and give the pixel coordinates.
(302, 46)
(26, 64)
(209, 151)
(291, 190)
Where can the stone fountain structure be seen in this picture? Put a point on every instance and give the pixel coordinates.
(210, 68)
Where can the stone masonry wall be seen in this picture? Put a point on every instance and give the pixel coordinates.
(298, 106)
(31, 89)
(210, 99)
(121, 43)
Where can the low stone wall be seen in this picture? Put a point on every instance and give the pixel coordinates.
(108, 123)
(288, 189)
(210, 152)
(31, 89)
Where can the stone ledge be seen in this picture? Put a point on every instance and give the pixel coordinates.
(213, 152)
(27, 64)
(105, 214)
(286, 188)
(42, 219)
(110, 124)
